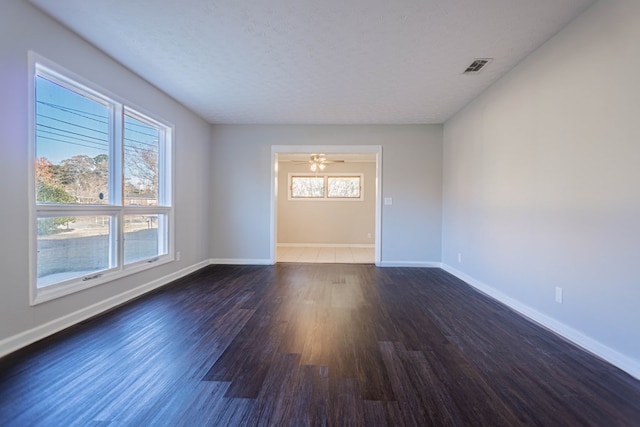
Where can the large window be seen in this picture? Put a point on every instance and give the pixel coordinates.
(102, 199)
(325, 187)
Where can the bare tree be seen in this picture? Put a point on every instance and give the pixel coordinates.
(142, 164)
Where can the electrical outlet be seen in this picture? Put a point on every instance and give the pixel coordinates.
(558, 295)
(178, 256)
(459, 257)
(368, 235)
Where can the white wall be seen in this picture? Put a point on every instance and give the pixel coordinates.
(541, 184)
(327, 221)
(411, 175)
(22, 27)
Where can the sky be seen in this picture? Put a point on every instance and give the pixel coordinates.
(69, 124)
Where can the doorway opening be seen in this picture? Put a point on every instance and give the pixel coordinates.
(325, 204)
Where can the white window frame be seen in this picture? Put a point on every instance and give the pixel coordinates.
(116, 209)
(326, 177)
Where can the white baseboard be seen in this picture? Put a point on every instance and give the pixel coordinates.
(622, 361)
(240, 261)
(424, 264)
(325, 245)
(13, 343)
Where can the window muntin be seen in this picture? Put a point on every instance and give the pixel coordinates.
(328, 187)
(87, 223)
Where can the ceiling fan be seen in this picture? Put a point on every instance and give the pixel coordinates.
(317, 162)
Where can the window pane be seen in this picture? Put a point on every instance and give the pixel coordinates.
(344, 186)
(307, 186)
(73, 246)
(72, 146)
(144, 237)
(141, 142)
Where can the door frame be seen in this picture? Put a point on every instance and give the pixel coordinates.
(325, 149)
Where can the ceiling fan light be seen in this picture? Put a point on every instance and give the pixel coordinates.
(322, 166)
(314, 167)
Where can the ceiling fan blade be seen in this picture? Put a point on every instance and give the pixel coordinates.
(316, 159)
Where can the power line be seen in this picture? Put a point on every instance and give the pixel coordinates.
(85, 115)
(89, 136)
(155, 135)
(104, 148)
(80, 113)
(74, 133)
(68, 142)
(73, 124)
(95, 145)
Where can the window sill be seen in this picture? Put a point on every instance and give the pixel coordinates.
(48, 293)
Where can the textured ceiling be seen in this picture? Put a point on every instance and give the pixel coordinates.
(317, 61)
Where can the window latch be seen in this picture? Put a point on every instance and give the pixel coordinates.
(95, 276)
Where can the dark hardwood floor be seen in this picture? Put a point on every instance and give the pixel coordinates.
(312, 344)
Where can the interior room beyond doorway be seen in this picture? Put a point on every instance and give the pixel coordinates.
(326, 207)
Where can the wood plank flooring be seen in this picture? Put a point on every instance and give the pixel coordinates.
(312, 345)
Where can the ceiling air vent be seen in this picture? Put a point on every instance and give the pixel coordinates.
(477, 65)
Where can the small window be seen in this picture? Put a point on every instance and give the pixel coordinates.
(329, 187)
(307, 187)
(102, 199)
(343, 187)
